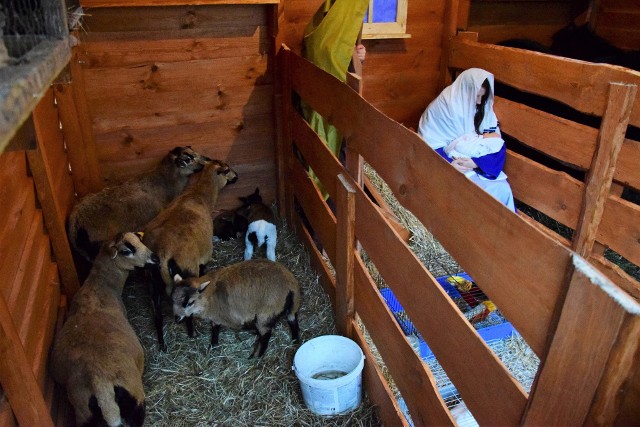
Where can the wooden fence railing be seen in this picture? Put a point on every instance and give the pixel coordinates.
(539, 284)
(594, 209)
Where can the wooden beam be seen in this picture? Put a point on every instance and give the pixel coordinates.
(345, 253)
(598, 184)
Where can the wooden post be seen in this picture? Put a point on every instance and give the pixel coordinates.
(284, 153)
(345, 252)
(600, 176)
(53, 216)
(598, 320)
(17, 378)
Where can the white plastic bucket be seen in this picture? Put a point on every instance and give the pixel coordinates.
(329, 368)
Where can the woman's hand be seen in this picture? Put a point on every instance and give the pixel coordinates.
(464, 165)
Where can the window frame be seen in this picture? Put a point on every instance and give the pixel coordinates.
(387, 30)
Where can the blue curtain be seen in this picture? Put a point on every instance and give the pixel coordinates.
(384, 11)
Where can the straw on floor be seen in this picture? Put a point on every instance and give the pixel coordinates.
(193, 385)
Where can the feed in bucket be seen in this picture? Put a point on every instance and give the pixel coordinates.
(329, 369)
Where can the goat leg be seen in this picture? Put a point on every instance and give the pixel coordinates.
(215, 332)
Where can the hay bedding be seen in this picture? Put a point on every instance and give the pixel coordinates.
(193, 385)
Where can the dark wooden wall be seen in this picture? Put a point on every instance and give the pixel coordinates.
(147, 79)
(618, 21)
(400, 76)
(498, 20)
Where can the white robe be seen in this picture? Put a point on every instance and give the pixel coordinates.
(450, 117)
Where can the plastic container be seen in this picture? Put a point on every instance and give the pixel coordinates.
(329, 369)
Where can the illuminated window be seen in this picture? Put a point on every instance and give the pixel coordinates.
(385, 19)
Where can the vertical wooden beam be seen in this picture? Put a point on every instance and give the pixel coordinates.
(463, 14)
(345, 252)
(17, 378)
(284, 155)
(600, 176)
(599, 324)
(53, 217)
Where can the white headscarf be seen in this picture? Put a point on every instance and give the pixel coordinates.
(451, 114)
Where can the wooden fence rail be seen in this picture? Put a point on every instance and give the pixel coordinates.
(528, 276)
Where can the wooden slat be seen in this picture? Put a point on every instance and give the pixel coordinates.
(497, 33)
(12, 238)
(35, 324)
(40, 337)
(618, 276)
(562, 139)
(25, 260)
(175, 108)
(376, 386)
(555, 194)
(33, 266)
(124, 50)
(17, 378)
(137, 3)
(212, 76)
(627, 171)
(317, 212)
(620, 228)
(13, 168)
(411, 375)
(345, 253)
(503, 400)
(598, 182)
(595, 311)
(581, 85)
(540, 265)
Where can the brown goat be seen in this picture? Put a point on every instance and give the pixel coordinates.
(96, 355)
(182, 234)
(132, 204)
(251, 294)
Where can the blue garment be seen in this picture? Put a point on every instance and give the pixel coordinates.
(489, 166)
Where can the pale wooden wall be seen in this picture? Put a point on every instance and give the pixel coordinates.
(400, 76)
(147, 79)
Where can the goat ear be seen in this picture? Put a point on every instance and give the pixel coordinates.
(203, 286)
(177, 278)
(113, 251)
(257, 192)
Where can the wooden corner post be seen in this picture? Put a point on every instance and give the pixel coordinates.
(345, 253)
(598, 182)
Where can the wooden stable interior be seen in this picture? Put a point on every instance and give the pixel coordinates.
(145, 76)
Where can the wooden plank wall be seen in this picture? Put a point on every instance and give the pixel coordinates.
(618, 21)
(400, 76)
(148, 79)
(35, 262)
(498, 20)
(530, 289)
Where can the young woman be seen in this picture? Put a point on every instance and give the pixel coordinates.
(461, 126)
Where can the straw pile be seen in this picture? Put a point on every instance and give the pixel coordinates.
(193, 385)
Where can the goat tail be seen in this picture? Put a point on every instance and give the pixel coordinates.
(103, 403)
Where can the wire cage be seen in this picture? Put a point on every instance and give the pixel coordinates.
(34, 48)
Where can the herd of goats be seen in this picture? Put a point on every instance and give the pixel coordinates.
(163, 223)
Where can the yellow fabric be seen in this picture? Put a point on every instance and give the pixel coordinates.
(329, 40)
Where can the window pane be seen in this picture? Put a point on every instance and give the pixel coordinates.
(383, 11)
